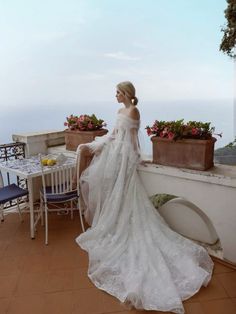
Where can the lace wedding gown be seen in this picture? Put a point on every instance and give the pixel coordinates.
(133, 254)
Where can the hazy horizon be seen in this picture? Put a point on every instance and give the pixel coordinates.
(219, 113)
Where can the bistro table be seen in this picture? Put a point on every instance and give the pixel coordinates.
(29, 168)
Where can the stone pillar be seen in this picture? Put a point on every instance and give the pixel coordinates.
(38, 142)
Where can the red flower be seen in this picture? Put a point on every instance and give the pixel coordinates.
(195, 131)
(149, 131)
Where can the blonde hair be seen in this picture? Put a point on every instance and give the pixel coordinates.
(128, 89)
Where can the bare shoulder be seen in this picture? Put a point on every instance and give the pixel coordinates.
(134, 113)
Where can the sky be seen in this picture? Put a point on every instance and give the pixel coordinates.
(70, 51)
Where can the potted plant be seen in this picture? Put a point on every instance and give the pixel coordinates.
(187, 145)
(82, 129)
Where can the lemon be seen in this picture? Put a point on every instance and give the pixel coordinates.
(51, 162)
(44, 162)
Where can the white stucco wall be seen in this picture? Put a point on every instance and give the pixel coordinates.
(235, 115)
(234, 87)
(212, 193)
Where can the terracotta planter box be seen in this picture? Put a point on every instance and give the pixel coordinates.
(73, 138)
(185, 153)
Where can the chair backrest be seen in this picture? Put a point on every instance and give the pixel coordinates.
(1, 180)
(59, 179)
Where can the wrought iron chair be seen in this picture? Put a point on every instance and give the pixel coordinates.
(58, 189)
(9, 193)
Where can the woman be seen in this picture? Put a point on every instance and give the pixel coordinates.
(133, 254)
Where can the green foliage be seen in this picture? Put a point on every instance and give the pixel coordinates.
(231, 144)
(160, 199)
(228, 43)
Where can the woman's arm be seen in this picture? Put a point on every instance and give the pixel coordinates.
(134, 114)
(92, 148)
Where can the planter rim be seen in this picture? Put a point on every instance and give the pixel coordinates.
(184, 140)
(88, 132)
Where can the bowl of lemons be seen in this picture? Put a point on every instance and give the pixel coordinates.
(48, 161)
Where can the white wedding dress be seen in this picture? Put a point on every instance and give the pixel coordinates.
(133, 254)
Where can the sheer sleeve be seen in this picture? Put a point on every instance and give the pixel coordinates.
(99, 142)
(135, 142)
(134, 139)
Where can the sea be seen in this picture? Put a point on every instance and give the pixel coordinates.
(41, 117)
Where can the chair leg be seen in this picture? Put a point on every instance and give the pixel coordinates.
(41, 214)
(1, 213)
(19, 210)
(46, 224)
(71, 210)
(41, 211)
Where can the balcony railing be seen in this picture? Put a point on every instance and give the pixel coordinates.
(12, 151)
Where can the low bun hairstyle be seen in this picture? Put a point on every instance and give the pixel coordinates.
(128, 89)
(134, 100)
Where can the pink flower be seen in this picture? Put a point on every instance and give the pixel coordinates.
(155, 128)
(84, 122)
(170, 135)
(90, 125)
(179, 130)
(80, 125)
(81, 118)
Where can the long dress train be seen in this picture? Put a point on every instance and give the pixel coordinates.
(133, 254)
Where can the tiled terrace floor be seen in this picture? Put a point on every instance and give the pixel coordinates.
(40, 279)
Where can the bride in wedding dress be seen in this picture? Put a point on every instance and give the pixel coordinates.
(133, 254)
